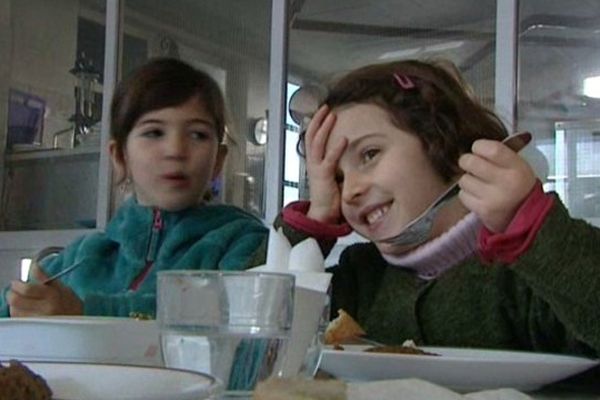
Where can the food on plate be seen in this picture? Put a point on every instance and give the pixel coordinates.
(140, 316)
(17, 382)
(342, 329)
(300, 389)
(408, 347)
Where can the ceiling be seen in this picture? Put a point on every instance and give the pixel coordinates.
(332, 36)
(368, 30)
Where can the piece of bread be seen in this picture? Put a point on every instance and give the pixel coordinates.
(342, 329)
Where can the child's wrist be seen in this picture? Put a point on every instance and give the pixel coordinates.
(322, 215)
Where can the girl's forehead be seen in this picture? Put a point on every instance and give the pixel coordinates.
(193, 108)
(356, 120)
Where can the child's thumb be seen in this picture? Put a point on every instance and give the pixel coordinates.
(37, 273)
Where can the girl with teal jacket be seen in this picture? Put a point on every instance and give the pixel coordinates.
(167, 131)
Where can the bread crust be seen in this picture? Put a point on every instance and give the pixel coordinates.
(342, 329)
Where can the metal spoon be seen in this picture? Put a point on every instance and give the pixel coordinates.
(61, 273)
(53, 252)
(418, 230)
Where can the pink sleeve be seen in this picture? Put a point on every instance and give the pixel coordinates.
(509, 245)
(294, 214)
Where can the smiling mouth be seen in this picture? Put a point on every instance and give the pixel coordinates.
(377, 214)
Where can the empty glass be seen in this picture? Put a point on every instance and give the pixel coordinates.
(232, 325)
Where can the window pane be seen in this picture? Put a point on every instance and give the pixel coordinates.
(51, 97)
(559, 53)
(292, 160)
(290, 194)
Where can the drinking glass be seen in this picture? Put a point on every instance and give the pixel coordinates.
(232, 325)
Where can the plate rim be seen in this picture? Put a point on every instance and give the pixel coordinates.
(75, 320)
(564, 358)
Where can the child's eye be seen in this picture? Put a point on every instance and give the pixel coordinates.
(369, 154)
(152, 133)
(200, 135)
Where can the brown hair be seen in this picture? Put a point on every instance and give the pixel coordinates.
(435, 106)
(162, 83)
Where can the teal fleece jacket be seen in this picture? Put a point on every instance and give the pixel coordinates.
(119, 267)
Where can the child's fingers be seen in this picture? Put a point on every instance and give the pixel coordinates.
(494, 151)
(33, 291)
(473, 185)
(320, 138)
(37, 273)
(469, 200)
(314, 124)
(478, 166)
(21, 306)
(333, 155)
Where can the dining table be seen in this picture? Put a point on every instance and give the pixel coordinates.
(551, 392)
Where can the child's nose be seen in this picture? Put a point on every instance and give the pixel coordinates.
(176, 146)
(354, 186)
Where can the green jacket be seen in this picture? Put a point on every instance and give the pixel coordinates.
(118, 269)
(547, 301)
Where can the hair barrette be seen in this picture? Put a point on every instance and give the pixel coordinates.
(404, 81)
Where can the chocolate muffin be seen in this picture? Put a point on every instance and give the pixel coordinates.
(17, 382)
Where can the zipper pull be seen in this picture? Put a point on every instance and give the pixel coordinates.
(157, 224)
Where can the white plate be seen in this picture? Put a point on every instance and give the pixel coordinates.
(83, 381)
(455, 368)
(82, 339)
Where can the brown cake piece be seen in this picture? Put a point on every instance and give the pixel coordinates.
(17, 382)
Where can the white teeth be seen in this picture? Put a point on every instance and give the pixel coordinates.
(374, 216)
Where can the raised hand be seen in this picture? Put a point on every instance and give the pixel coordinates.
(496, 182)
(34, 299)
(321, 164)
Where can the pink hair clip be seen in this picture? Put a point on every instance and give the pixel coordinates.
(404, 81)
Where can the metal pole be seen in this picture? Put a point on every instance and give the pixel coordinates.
(114, 9)
(507, 42)
(273, 182)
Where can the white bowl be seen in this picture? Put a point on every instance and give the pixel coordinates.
(81, 339)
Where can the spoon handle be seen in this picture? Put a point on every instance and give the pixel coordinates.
(61, 273)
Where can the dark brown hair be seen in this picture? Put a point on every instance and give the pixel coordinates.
(438, 108)
(162, 83)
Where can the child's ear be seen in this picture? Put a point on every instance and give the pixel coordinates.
(220, 161)
(117, 159)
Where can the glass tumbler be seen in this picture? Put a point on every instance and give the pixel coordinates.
(232, 325)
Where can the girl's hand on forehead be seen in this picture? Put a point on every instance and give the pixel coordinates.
(495, 184)
(321, 166)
